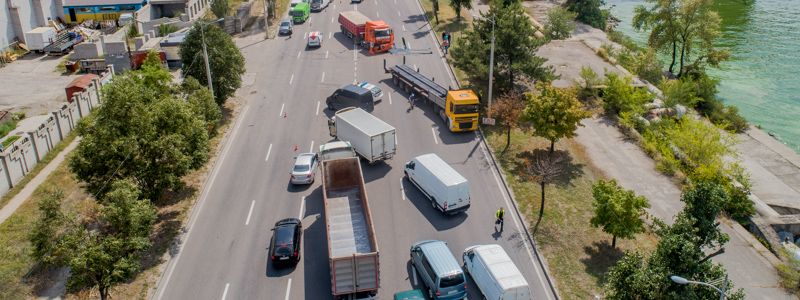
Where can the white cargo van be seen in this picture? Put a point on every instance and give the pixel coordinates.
(495, 274)
(447, 190)
(371, 137)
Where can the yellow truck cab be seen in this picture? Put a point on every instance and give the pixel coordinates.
(462, 110)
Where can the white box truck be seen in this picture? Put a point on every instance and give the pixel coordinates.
(447, 190)
(39, 37)
(495, 274)
(371, 137)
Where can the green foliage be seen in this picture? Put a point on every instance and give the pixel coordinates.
(225, 60)
(723, 115)
(507, 110)
(110, 254)
(589, 12)
(515, 47)
(589, 83)
(553, 113)
(643, 63)
(457, 5)
(133, 31)
(704, 201)
(679, 91)
(154, 75)
(703, 147)
(679, 252)
(435, 7)
(43, 235)
(618, 211)
(739, 206)
(166, 29)
(219, 8)
(789, 271)
(560, 23)
(202, 103)
(141, 132)
(620, 95)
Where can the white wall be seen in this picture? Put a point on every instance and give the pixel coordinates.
(29, 14)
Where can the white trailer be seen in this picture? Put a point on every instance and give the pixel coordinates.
(372, 138)
(40, 37)
(495, 274)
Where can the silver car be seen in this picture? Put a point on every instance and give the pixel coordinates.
(285, 27)
(304, 168)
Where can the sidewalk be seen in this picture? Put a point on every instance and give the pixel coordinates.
(29, 188)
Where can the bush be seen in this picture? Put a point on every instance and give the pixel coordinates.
(620, 96)
(589, 12)
(726, 116)
(560, 23)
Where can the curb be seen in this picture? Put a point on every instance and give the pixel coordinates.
(539, 259)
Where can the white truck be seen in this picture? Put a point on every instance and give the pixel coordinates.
(495, 274)
(446, 188)
(371, 137)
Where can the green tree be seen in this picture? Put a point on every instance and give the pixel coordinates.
(704, 201)
(621, 96)
(106, 255)
(435, 4)
(44, 235)
(560, 23)
(219, 8)
(553, 113)
(618, 211)
(661, 18)
(139, 133)
(457, 5)
(679, 91)
(154, 75)
(703, 147)
(515, 48)
(201, 102)
(508, 110)
(589, 12)
(588, 84)
(225, 60)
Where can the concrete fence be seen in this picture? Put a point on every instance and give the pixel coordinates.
(40, 134)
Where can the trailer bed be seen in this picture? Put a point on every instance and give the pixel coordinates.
(348, 225)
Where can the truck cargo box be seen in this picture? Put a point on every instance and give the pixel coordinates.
(371, 137)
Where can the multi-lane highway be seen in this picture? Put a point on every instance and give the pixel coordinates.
(224, 252)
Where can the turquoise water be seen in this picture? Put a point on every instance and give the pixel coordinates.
(763, 76)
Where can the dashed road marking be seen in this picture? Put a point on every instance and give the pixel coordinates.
(402, 192)
(291, 79)
(288, 289)
(326, 54)
(323, 77)
(317, 108)
(378, 14)
(330, 35)
(280, 114)
(225, 293)
(390, 98)
(250, 213)
(433, 131)
(299, 52)
(404, 27)
(269, 150)
(398, 14)
(311, 149)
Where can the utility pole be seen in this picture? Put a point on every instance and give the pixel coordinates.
(205, 58)
(491, 68)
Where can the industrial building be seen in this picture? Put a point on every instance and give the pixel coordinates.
(77, 11)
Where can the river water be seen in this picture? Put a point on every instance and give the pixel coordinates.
(762, 77)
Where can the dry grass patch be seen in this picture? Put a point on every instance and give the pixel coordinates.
(578, 255)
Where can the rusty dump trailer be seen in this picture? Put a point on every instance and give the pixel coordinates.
(352, 247)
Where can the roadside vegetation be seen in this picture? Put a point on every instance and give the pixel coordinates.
(103, 221)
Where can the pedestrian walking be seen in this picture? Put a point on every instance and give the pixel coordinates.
(445, 46)
(499, 214)
(411, 101)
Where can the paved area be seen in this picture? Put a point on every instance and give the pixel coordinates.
(774, 168)
(224, 252)
(623, 160)
(568, 57)
(32, 84)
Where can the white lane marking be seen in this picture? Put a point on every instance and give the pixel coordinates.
(288, 288)
(376, 2)
(269, 150)
(332, 17)
(305, 35)
(334, 6)
(326, 54)
(199, 207)
(330, 35)
(390, 98)
(402, 192)
(291, 79)
(323, 77)
(395, 1)
(311, 149)
(298, 52)
(404, 27)
(250, 213)
(409, 45)
(434, 136)
(225, 293)
(317, 108)
(513, 216)
(378, 14)
(281, 113)
(398, 14)
(302, 207)
(414, 271)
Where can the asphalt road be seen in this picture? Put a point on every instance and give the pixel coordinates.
(224, 253)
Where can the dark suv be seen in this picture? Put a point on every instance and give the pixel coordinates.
(351, 95)
(284, 248)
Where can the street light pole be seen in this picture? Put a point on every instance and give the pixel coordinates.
(491, 70)
(205, 58)
(683, 281)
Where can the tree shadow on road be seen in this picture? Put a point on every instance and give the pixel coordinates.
(600, 257)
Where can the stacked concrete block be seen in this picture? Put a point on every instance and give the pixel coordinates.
(87, 50)
(116, 48)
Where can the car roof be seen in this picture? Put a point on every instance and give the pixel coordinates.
(287, 221)
(440, 257)
(441, 169)
(314, 34)
(304, 158)
(355, 89)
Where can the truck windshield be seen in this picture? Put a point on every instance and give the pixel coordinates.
(452, 280)
(383, 33)
(466, 109)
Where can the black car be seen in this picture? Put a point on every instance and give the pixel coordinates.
(284, 248)
(351, 95)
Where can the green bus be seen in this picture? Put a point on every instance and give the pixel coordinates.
(300, 12)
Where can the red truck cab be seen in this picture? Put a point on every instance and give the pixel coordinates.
(377, 36)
